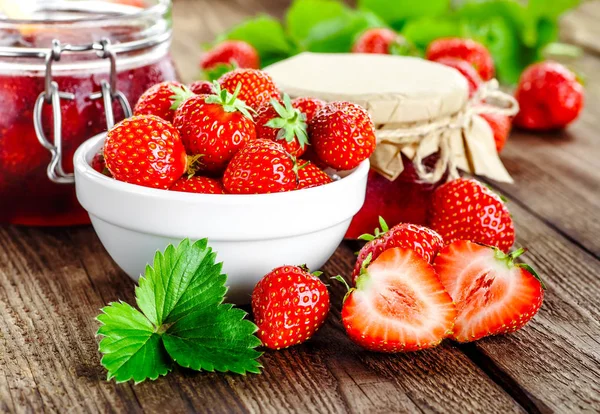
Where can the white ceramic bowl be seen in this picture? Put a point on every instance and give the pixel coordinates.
(251, 234)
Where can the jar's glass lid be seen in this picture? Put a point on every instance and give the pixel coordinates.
(395, 89)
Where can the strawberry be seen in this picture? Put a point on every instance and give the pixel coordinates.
(464, 209)
(201, 87)
(493, 295)
(198, 184)
(424, 241)
(376, 40)
(145, 150)
(465, 69)
(99, 164)
(230, 54)
(308, 106)
(550, 97)
(342, 135)
(257, 86)
(214, 127)
(284, 124)
(289, 305)
(398, 304)
(159, 100)
(466, 49)
(501, 125)
(262, 166)
(309, 175)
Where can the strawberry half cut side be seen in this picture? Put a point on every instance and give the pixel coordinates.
(493, 295)
(398, 304)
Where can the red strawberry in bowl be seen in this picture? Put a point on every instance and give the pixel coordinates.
(464, 209)
(161, 100)
(257, 87)
(201, 87)
(308, 106)
(342, 135)
(493, 294)
(424, 241)
(145, 150)
(99, 164)
(214, 127)
(283, 123)
(198, 184)
(398, 304)
(309, 175)
(466, 49)
(550, 97)
(289, 305)
(262, 166)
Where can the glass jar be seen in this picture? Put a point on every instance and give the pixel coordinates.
(69, 70)
(403, 200)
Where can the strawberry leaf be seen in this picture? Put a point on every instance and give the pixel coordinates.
(182, 319)
(131, 349)
(214, 338)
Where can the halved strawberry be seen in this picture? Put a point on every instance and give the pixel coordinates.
(493, 295)
(398, 304)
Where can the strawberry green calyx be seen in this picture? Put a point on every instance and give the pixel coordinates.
(229, 101)
(349, 290)
(193, 164)
(291, 122)
(180, 95)
(510, 262)
(377, 233)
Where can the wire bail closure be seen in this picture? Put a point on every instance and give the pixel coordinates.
(52, 96)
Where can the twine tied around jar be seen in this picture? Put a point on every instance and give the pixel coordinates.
(461, 141)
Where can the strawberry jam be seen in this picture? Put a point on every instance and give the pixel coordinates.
(404, 200)
(27, 196)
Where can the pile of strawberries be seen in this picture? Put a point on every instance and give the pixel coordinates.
(413, 286)
(238, 135)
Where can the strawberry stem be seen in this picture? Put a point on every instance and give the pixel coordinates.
(291, 122)
(377, 233)
(180, 95)
(229, 101)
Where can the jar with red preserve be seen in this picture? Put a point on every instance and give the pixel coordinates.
(427, 126)
(68, 70)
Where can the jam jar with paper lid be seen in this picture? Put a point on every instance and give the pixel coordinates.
(68, 71)
(427, 126)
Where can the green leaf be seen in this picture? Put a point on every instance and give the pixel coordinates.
(425, 30)
(552, 9)
(397, 12)
(214, 338)
(503, 43)
(301, 16)
(267, 36)
(131, 349)
(183, 320)
(338, 34)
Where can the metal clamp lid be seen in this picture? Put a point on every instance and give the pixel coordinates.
(52, 96)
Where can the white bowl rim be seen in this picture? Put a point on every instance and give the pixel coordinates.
(82, 166)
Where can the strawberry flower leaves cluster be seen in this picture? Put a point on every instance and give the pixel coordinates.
(181, 319)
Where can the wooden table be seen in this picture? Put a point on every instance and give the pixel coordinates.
(54, 281)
